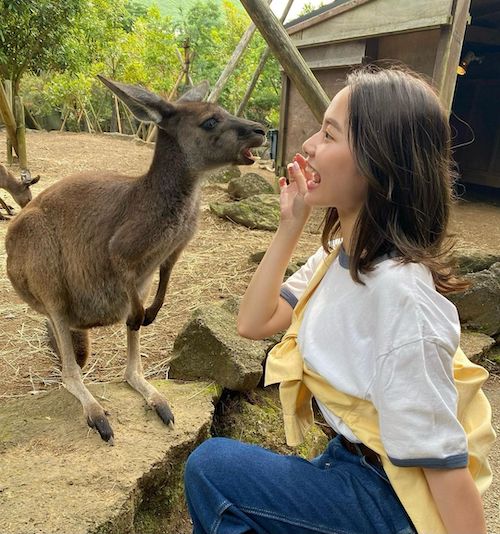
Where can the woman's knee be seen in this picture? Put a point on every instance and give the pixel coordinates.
(207, 458)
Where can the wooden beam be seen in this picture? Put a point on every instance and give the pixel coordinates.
(376, 30)
(233, 61)
(325, 15)
(287, 54)
(260, 66)
(448, 53)
(8, 118)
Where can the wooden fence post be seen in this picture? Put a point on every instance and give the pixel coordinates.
(8, 93)
(21, 133)
(8, 118)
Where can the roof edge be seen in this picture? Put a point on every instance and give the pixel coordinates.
(322, 13)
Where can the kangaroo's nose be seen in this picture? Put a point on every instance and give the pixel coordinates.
(259, 130)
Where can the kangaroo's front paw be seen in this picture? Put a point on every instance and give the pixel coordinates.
(149, 316)
(135, 320)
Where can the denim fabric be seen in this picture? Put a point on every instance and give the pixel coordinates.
(236, 488)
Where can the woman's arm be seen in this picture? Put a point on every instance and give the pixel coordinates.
(262, 311)
(457, 499)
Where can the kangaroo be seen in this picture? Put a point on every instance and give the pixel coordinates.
(19, 190)
(85, 250)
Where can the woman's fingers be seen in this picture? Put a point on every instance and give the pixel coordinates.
(298, 177)
(303, 164)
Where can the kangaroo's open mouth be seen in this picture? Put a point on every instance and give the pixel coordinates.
(248, 156)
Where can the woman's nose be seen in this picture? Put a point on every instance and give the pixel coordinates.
(309, 146)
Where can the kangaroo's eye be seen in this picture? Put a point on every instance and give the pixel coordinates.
(210, 124)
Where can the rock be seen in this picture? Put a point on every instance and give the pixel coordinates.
(292, 268)
(257, 212)
(471, 260)
(248, 185)
(224, 176)
(209, 347)
(58, 477)
(494, 355)
(475, 345)
(479, 306)
(256, 417)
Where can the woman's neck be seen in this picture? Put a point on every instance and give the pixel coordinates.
(347, 224)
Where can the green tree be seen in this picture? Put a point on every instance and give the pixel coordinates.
(32, 33)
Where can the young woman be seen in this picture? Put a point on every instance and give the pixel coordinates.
(370, 336)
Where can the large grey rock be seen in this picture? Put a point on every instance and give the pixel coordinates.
(472, 260)
(58, 477)
(209, 347)
(475, 345)
(224, 176)
(248, 185)
(257, 212)
(479, 306)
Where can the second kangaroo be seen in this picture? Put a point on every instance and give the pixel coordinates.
(85, 250)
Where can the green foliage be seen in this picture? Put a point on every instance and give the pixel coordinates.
(309, 7)
(126, 41)
(33, 33)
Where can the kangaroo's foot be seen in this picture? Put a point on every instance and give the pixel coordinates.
(96, 419)
(134, 375)
(160, 404)
(152, 396)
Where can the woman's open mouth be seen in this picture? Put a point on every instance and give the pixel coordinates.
(313, 179)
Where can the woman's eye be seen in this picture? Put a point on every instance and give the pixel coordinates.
(209, 124)
(328, 136)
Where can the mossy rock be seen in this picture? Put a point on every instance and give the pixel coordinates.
(224, 176)
(210, 347)
(256, 417)
(260, 212)
(248, 185)
(474, 260)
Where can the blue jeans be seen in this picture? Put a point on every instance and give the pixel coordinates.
(236, 488)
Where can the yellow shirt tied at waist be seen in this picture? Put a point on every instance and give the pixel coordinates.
(299, 384)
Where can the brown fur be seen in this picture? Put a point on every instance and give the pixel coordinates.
(19, 189)
(85, 250)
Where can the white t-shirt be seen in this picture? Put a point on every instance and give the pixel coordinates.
(391, 342)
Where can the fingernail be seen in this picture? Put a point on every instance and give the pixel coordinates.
(296, 166)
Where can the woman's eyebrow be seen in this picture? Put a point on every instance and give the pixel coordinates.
(334, 123)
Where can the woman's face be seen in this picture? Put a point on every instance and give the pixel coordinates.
(333, 179)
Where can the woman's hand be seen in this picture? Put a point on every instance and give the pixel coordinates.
(293, 208)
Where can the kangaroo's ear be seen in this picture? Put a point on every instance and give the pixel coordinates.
(197, 93)
(146, 106)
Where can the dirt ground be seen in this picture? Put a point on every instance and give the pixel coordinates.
(214, 266)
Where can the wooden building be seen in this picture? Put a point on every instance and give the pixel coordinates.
(432, 37)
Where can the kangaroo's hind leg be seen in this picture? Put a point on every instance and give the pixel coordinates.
(134, 375)
(72, 379)
(81, 343)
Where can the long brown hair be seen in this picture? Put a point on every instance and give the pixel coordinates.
(400, 139)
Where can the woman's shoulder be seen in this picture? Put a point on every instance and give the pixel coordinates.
(405, 293)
